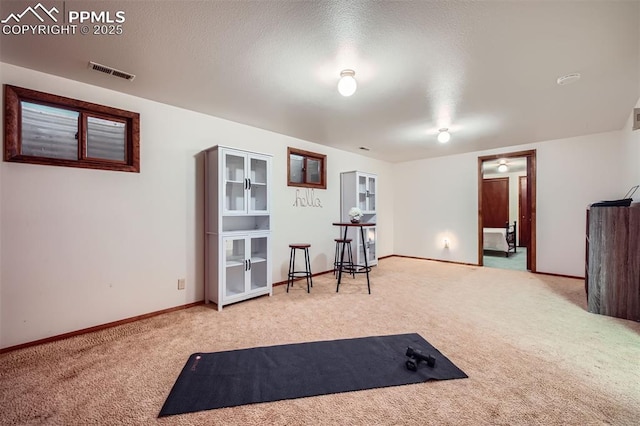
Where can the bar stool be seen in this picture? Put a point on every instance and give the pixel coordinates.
(337, 262)
(293, 274)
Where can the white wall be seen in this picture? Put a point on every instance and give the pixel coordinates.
(571, 173)
(437, 199)
(631, 154)
(86, 247)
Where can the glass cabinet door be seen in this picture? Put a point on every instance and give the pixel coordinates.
(362, 193)
(235, 183)
(259, 262)
(371, 193)
(369, 246)
(370, 235)
(258, 185)
(367, 193)
(235, 266)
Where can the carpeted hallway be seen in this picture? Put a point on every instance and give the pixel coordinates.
(532, 352)
(516, 261)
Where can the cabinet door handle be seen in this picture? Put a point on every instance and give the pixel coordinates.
(248, 183)
(249, 264)
(246, 265)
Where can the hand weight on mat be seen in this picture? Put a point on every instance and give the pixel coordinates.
(415, 357)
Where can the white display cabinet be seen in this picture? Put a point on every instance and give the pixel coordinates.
(359, 189)
(237, 225)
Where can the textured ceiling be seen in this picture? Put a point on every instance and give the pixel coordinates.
(486, 70)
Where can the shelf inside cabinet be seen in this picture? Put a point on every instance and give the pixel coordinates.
(245, 223)
(256, 286)
(231, 291)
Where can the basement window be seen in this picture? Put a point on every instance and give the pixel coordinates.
(306, 169)
(41, 128)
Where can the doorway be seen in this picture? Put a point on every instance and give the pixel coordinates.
(523, 200)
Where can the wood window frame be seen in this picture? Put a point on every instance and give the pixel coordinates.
(307, 154)
(14, 96)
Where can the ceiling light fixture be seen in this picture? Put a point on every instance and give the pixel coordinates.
(444, 135)
(503, 166)
(347, 85)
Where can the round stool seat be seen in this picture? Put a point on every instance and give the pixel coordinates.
(300, 246)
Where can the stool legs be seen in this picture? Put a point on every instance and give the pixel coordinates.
(293, 274)
(292, 262)
(308, 269)
(351, 259)
(338, 262)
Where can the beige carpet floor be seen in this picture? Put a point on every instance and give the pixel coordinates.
(533, 354)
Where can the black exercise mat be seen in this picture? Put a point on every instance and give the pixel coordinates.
(272, 373)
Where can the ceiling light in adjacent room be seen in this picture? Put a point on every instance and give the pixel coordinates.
(347, 85)
(502, 168)
(444, 135)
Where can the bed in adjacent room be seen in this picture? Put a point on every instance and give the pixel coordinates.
(500, 239)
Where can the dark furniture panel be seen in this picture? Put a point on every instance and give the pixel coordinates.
(613, 261)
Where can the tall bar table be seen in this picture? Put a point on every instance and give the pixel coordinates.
(357, 269)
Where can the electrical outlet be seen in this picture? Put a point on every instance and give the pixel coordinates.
(182, 282)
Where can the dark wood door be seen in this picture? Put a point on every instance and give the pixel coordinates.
(495, 202)
(524, 220)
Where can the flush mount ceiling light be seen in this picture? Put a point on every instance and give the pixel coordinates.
(568, 79)
(444, 135)
(503, 166)
(347, 85)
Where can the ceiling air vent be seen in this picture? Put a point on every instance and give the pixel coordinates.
(111, 71)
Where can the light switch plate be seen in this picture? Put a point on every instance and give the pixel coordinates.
(636, 118)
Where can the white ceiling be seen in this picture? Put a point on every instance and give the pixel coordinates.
(486, 70)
